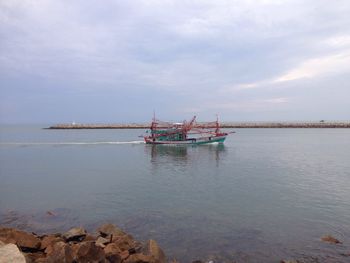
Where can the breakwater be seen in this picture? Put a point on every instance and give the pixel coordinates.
(343, 124)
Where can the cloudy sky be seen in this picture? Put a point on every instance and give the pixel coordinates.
(118, 61)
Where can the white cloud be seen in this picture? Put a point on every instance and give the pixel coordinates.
(318, 67)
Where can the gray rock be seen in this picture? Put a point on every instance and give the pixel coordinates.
(11, 253)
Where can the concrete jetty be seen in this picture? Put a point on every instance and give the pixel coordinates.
(320, 124)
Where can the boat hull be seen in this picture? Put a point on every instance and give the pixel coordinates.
(194, 141)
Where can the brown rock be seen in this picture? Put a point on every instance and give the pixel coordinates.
(140, 258)
(112, 252)
(89, 238)
(330, 239)
(34, 257)
(23, 239)
(124, 242)
(59, 252)
(124, 254)
(48, 240)
(152, 248)
(40, 260)
(114, 259)
(101, 242)
(75, 234)
(88, 252)
(112, 249)
(108, 230)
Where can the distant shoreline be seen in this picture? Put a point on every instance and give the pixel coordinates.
(223, 125)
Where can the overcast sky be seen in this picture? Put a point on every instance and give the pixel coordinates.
(118, 61)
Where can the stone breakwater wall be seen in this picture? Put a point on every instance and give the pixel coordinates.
(222, 125)
(109, 244)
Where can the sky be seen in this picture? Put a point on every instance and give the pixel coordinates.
(92, 61)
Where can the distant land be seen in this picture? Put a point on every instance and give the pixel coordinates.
(319, 124)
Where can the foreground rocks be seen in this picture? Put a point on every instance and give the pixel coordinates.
(10, 253)
(110, 244)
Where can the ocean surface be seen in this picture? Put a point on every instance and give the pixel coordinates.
(262, 196)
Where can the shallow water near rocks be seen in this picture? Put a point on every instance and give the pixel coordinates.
(262, 196)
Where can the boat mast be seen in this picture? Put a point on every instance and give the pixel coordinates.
(217, 126)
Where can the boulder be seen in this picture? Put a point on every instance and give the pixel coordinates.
(114, 259)
(330, 239)
(11, 253)
(59, 252)
(49, 240)
(112, 249)
(125, 242)
(101, 242)
(75, 234)
(89, 238)
(140, 258)
(152, 248)
(88, 252)
(23, 239)
(108, 230)
(34, 257)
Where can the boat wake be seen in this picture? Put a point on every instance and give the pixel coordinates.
(67, 143)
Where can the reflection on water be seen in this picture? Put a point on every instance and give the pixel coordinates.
(182, 154)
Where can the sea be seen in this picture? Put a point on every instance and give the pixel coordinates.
(262, 196)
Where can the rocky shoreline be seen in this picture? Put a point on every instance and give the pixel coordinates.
(109, 244)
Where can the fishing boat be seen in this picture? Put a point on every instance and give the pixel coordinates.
(186, 132)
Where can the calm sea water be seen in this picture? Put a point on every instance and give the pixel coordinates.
(262, 196)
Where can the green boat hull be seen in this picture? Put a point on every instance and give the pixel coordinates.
(194, 141)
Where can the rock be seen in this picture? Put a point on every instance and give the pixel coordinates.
(112, 252)
(34, 257)
(330, 239)
(75, 234)
(11, 253)
(101, 242)
(112, 249)
(114, 259)
(108, 230)
(89, 238)
(140, 258)
(124, 242)
(88, 252)
(124, 254)
(59, 252)
(48, 240)
(152, 248)
(290, 261)
(23, 239)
